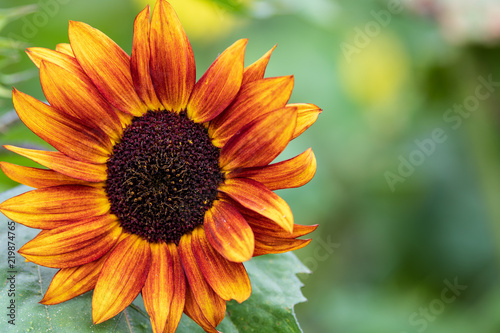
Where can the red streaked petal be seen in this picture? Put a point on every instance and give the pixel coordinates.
(65, 48)
(139, 62)
(121, 278)
(267, 245)
(217, 88)
(158, 289)
(63, 164)
(173, 69)
(228, 232)
(74, 281)
(193, 310)
(256, 70)
(107, 65)
(265, 226)
(73, 245)
(39, 54)
(39, 178)
(254, 99)
(259, 199)
(212, 306)
(259, 142)
(294, 172)
(39, 208)
(306, 116)
(74, 93)
(62, 133)
(179, 297)
(230, 279)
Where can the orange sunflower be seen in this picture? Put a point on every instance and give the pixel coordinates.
(160, 185)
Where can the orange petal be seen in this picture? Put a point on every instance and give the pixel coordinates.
(39, 178)
(75, 244)
(63, 164)
(266, 245)
(212, 306)
(74, 281)
(306, 116)
(259, 199)
(179, 297)
(63, 133)
(65, 48)
(39, 54)
(265, 226)
(75, 93)
(40, 208)
(256, 70)
(217, 88)
(293, 172)
(254, 99)
(230, 279)
(173, 68)
(193, 310)
(158, 289)
(139, 62)
(107, 65)
(228, 232)
(121, 278)
(259, 142)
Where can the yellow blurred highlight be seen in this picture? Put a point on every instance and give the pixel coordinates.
(203, 20)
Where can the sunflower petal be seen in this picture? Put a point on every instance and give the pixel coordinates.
(139, 62)
(121, 278)
(259, 199)
(39, 208)
(228, 232)
(63, 134)
(266, 245)
(179, 297)
(65, 48)
(253, 100)
(293, 172)
(39, 178)
(306, 116)
(40, 54)
(217, 88)
(75, 93)
(107, 65)
(212, 306)
(75, 244)
(74, 281)
(230, 279)
(256, 70)
(173, 69)
(259, 142)
(158, 289)
(264, 226)
(63, 164)
(193, 310)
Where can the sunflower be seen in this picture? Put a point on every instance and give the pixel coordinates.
(159, 184)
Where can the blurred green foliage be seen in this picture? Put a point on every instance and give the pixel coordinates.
(387, 249)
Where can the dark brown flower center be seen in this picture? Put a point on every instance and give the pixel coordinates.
(163, 176)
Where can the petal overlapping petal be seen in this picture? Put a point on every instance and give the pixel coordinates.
(107, 65)
(179, 297)
(259, 142)
(294, 172)
(228, 232)
(40, 54)
(217, 88)
(65, 48)
(39, 178)
(173, 69)
(61, 163)
(40, 208)
(259, 199)
(139, 61)
(63, 133)
(230, 279)
(307, 114)
(212, 305)
(75, 244)
(257, 70)
(121, 278)
(254, 99)
(194, 311)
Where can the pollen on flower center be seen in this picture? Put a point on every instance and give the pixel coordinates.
(163, 176)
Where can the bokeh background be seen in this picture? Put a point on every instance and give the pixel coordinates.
(407, 191)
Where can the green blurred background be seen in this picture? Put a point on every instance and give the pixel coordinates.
(407, 191)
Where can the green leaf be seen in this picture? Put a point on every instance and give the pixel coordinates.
(275, 291)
